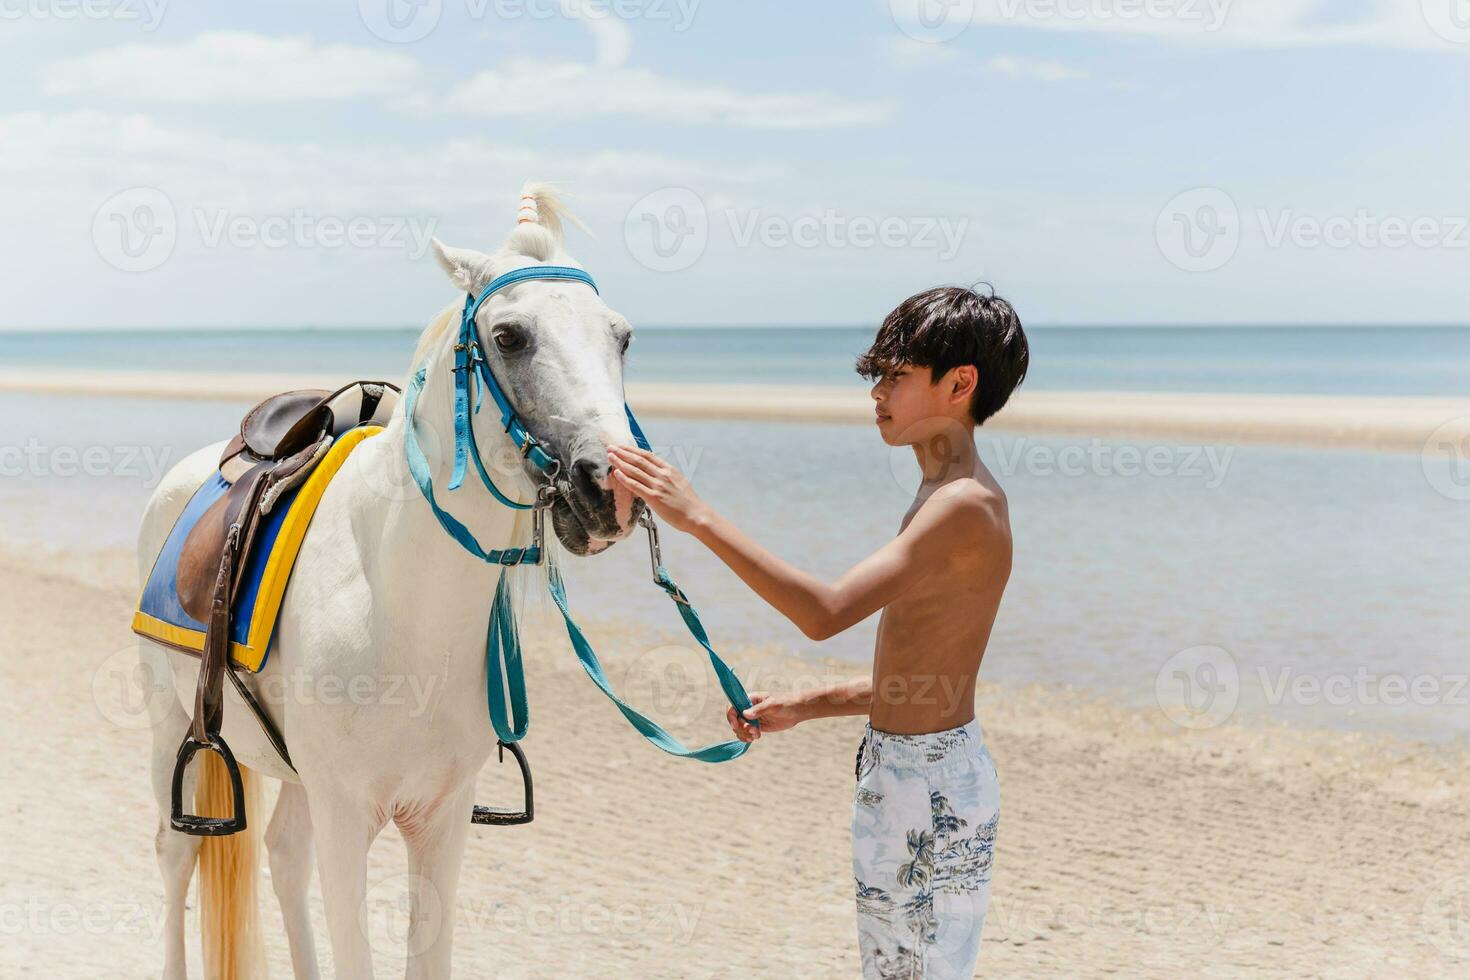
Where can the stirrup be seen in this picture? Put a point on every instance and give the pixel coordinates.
(189, 823)
(497, 817)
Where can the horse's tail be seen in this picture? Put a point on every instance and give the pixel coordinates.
(229, 874)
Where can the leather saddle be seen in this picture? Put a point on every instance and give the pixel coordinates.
(280, 442)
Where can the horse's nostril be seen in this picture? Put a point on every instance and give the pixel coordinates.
(587, 476)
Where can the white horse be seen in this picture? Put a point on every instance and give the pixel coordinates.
(383, 598)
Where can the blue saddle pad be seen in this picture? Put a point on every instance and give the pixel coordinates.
(267, 571)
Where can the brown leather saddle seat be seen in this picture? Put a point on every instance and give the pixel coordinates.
(280, 442)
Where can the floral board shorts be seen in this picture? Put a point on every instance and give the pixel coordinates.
(923, 831)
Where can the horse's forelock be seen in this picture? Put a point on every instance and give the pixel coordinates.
(542, 219)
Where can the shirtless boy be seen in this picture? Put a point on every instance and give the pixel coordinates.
(927, 798)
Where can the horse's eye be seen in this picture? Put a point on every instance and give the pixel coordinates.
(508, 340)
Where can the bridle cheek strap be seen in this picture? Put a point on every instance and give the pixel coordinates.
(470, 362)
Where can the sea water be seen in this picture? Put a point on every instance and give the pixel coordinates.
(1327, 578)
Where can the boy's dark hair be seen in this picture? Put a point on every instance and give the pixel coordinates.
(947, 326)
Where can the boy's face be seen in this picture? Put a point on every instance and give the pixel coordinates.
(910, 407)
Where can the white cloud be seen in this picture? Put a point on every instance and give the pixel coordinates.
(74, 158)
(223, 67)
(608, 86)
(1043, 71)
(232, 67)
(906, 52)
(572, 90)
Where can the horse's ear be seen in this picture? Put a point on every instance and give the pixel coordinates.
(468, 269)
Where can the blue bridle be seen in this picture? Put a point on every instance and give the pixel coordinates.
(505, 671)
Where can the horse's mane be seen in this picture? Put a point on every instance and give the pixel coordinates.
(541, 240)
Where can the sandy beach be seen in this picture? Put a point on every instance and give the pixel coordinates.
(1127, 847)
(1389, 424)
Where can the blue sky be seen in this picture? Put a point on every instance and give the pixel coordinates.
(1098, 161)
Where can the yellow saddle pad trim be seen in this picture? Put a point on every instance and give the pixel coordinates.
(277, 574)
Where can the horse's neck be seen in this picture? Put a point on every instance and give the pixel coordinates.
(425, 575)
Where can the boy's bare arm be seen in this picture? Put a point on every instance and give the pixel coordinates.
(778, 712)
(817, 608)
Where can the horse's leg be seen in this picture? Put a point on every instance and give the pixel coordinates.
(436, 843)
(289, 845)
(348, 826)
(177, 853)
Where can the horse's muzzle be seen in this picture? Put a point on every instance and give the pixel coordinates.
(593, 511)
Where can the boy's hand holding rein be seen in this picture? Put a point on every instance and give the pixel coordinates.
(781, 712)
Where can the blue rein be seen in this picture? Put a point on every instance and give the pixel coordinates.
(504, 669)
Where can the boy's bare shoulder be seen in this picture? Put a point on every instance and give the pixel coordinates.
(970, 506)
